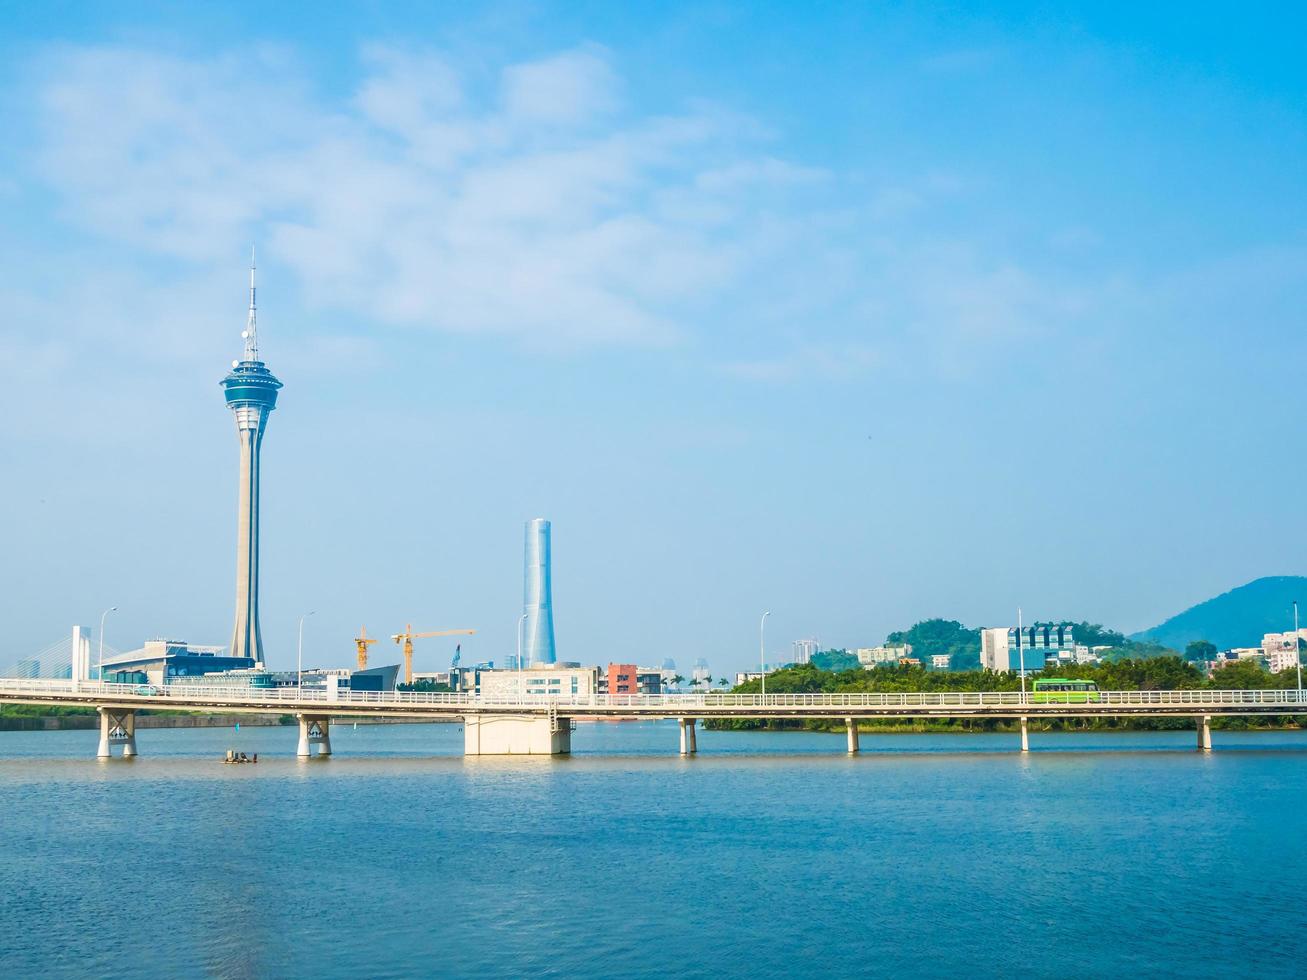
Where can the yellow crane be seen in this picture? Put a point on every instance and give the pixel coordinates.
(363, 641)
(407, 638)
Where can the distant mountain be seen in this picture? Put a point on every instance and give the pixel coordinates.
(1237, 618)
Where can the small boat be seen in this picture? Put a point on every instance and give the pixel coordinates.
(239, 758)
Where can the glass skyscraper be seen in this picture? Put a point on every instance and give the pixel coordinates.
(538, 645)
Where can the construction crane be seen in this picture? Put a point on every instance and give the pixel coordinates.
(407, 638)
(363, 641)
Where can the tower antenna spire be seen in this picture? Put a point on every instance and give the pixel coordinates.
(251, 334)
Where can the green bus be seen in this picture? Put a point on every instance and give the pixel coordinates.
(1060, 690)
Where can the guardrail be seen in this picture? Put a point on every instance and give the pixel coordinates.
(189, 694)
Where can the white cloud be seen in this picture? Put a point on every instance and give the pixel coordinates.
(568, 89)
(528, 202)
(418, 200)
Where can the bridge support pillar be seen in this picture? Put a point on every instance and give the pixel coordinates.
(851, 726)
(517, 735)
(1205, 733)
(1025, 734)
(688, 742)
(314, 730)
(117, 727)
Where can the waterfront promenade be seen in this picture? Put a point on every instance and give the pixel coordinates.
(534, 724)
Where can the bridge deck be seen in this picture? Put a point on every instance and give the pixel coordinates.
(404, 704)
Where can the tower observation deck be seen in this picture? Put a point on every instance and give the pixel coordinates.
(251, 392)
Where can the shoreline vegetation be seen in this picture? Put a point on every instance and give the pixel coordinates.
(1160, 673)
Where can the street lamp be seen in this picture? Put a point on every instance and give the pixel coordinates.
(299, 657)
(762, 649)
(99, 668)
(1297, 650)
(521, 621)
(1021, 653)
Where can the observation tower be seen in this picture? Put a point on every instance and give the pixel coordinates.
(251, 392)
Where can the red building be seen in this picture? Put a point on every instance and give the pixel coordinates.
(623, 679)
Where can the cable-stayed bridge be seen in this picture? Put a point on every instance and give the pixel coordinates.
(54, 662)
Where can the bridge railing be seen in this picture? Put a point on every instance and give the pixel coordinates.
(190, 695)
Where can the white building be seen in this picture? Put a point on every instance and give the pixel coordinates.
(745, 676)
(541, 680)
(1281, 650)
(871, 657)
(804, 651)
(1006, 648)
(939, 661)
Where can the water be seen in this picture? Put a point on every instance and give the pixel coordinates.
(768, 855)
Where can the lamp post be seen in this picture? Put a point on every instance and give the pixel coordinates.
(762, 650)
(1297, 650)
(1021, 654)
(99, 667)
(299, 657)
(521, 622)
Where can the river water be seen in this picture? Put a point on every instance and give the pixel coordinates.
(767, 855)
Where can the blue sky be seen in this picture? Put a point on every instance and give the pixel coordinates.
(861, 314)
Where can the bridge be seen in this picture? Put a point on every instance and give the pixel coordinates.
(542, 725)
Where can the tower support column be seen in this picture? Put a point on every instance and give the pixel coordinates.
(1025, 734)
(1205, 733)
(689, 745)
(117, 727)
(314, 730)
(851, 726)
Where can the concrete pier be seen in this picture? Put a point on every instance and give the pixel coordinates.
(314, 730)
(688, 741)
(117, 727)
(1205, 733)
(1025, 734)
(516, 735)
(851, 726)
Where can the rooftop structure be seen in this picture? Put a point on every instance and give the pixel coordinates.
(251, 392)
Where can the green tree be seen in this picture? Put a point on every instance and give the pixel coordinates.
(932, 637)
(1238, 675)
(835, 660)
(1200, 651)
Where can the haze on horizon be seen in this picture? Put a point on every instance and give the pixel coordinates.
(861, 315)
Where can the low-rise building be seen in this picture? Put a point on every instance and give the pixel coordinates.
(939, 661)
(540, 680)
(630, 679)
(889, 653)
(744, 676)
(1281, 649)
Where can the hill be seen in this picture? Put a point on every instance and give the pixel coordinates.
(1237, 618)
